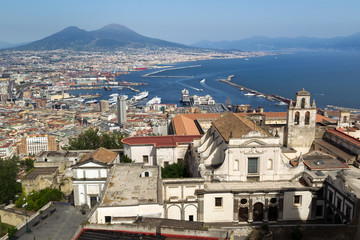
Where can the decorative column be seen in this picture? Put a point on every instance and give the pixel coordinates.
(313, 205)
(200, 208)
(182, 211)
(281, 206)
(236, 210)
(165, 211)
(250, 220)
(266, 210)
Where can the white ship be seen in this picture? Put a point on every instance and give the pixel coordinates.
(249, 94)
(260, 95)
(154, 100)
(140, 96)
(114, 98)
(91, 101)
(202, 81)
(185, 98)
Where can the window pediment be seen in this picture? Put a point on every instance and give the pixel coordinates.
(254, 150)
(254, 143)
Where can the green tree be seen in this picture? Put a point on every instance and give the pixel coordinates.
(27, 164)
(93, 139)
(11, 231)
(125, 159)
(8, 174)
(175, 170)
(37, 200)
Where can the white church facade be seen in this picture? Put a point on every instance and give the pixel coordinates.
(241, 173)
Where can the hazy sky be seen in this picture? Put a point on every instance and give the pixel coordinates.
(183, 21)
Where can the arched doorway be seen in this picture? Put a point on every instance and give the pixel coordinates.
(243, 214)
(273, 213)
(258, 212)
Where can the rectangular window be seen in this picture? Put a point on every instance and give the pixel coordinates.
(330, 197)
(319, 210)
(270, 164)
(145, 159)
(218, 202)
(253, 165)
(107, 219)
(191, 218)
(297, 200)
(166, 163)
(339, 202)
(347, 211)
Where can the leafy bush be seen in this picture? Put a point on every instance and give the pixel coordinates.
(175, 170)
(27, 164)
(37, 200)
(11, 231)
(93, 139)
(125, 159)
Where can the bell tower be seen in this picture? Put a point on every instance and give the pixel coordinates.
(301, 121)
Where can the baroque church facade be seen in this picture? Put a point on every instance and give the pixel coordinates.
(241, 172)
(248, 177)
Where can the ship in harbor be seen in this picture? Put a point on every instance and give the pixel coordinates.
(140, 96)
(202, 81)
(185, 98)
(154, 100)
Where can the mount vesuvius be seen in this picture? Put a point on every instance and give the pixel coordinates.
(110, 37)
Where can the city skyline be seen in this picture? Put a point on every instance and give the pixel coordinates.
(182, 21)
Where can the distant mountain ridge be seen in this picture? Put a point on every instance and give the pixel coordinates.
(9, 45)
(265, 43)
(110, 37)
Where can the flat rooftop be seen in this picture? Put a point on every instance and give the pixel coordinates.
(40, 171)
(129, 185)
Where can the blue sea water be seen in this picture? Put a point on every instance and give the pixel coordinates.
(331, 78)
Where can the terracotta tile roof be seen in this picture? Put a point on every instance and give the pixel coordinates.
(333, 149)
(184, 123)
(236, 126)
(160, 141)
(101, 155)
(345, 136)
(320, 118)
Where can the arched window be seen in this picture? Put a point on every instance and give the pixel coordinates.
(297, 118)
(307, 118)
(303, 103)
(146, 174)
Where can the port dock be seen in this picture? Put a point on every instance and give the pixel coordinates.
(270, 97)
(169, 69)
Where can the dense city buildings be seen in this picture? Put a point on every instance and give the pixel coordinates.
(244, 166)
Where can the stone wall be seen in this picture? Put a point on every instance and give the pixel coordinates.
(11, 217)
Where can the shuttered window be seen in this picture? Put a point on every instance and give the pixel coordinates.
(253, 165)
